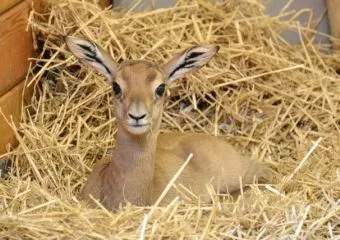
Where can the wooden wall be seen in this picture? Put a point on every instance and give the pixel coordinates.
(334, 19)
(15, 49)
(105, 3)
(16, 46)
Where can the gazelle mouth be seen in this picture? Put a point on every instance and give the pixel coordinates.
(139, 125)
(138, 128)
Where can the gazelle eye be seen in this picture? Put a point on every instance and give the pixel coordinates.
(160, 90)
(116, 88)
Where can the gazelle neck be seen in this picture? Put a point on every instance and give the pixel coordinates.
(133, 167)
(133, 151)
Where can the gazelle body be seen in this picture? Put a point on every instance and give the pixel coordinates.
(143, 163)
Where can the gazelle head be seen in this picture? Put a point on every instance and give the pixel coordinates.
(139, 86)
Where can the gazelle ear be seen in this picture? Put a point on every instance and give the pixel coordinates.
(189, 60)
(89, 53)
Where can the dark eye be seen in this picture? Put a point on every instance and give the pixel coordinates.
(116, 88)
(160, 90)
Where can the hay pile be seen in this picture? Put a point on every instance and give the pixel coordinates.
(278, 102)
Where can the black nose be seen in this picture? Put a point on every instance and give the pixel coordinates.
(137, 117)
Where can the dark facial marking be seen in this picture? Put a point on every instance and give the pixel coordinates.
(151, 76)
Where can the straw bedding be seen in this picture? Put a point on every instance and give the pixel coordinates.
(275, 101)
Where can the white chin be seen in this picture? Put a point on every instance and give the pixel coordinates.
(138, 130)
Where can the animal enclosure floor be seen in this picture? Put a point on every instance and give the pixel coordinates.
(277, 102)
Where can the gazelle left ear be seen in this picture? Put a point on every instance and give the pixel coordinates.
(91, 54)
(189, 60)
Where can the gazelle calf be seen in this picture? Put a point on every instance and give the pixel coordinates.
(143, 162)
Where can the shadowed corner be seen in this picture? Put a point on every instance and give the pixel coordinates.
(5, 168)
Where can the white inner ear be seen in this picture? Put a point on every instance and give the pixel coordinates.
(99, 67)
(89, 53)
(192, 59)
(97, 62)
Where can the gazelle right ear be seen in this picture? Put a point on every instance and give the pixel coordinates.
(189, 60)
(89, 53)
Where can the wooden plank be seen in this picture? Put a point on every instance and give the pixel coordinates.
(16, 46)
(7, 4)
(105, 3)
(38, 5)
(334, 19)
(10, 105)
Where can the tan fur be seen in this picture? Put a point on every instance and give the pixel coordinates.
(143, 163)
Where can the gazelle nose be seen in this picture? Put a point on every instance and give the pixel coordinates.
(137, 117)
